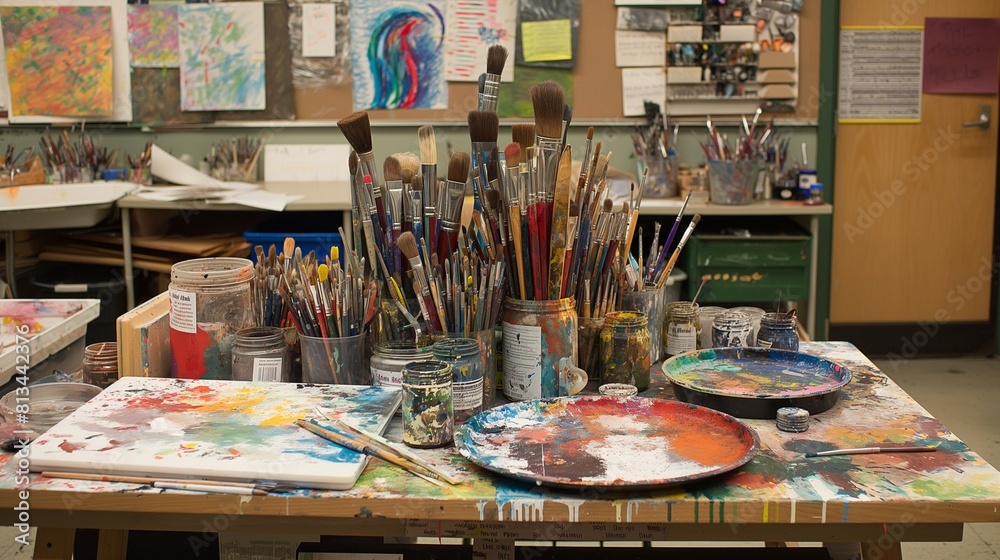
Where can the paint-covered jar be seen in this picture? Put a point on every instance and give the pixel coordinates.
(536, 335)
(100, 364)
(707, 314)
(777, 330)
(210, 302)
(261, 354)
(732, 329)
(625, 349)
(428, 410)
(467, 374)
(683, 327)
(389, 359)
(755, 314)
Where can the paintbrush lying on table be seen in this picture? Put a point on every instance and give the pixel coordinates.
(196, 485)
(867, 450)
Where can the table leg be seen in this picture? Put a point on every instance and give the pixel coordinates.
(112, 544)
(11, 280)
(813, 275)
(54, 543)
(127, 256)
(873, 551)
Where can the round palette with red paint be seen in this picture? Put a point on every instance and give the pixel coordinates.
(606, 442)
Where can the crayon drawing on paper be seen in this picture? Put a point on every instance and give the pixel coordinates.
(222, 56)
(64, 51)
(473, 27)
(152, 36)
(397, 55)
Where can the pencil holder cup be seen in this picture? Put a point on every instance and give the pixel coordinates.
(338, 361)
(485, 359)
(69, 173)
(536, 335)
(140, 175)
(392, 325)
(732, 181)
(661, 177)
(590, 344)
(649, 301)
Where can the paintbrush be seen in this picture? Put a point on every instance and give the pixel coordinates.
(549, 101)
(566, 120)
(483, 129)
(393, 174)
(868, 450)
(408, 246)
(496, 58)
(199, 485)
(417, 206)
(450, 207)
(352, 165)
(665, 273)
(428, 172)
(512, 154)
(560, 224)
(523, 134)
(670, 237)
(357, 129)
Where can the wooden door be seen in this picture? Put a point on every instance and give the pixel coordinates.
(913, 220)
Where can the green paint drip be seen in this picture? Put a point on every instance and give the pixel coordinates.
(696, 511)
(952, 490)
(722, 512)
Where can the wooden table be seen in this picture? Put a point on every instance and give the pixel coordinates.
(878, 500)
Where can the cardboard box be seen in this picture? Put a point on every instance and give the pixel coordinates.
(776, 76)
(776, 59)
(684, 75)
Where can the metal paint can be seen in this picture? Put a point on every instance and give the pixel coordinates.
(536, 335)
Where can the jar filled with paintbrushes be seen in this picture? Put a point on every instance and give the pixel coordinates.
(732, 329)
(625, 349)
(683, 327)
(261, 354)
(210, 301)
(648, 300)
(428, 407)
(778, 331)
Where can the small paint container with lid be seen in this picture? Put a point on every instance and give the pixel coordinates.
(683, 327)
(467, 374)
(428, 408)
(389, 359)
(777, 330)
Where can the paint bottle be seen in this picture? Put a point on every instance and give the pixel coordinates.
(732, 329)
(625, 349)
(467, 374)
(100, 364)
(210, 302)
(389, 359)
(777, 330)
(683, 332)
(428, 409)
(261, 354)
(536, 335)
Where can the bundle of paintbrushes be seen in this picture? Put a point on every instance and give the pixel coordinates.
(8, 165)
(653, 139)
(753, 142)
(319, 299)
(83, 153)
(657, 269)
(235, 159)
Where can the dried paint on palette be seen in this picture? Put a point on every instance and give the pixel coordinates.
(62, 50)
(397, 55)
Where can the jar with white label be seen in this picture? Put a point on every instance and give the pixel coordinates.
(261, 354)
(389, 359)
(467, 371)
(683, 327)
(210, 301)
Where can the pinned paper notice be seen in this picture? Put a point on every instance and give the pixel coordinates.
(640, 48)
(319, 30)
(545, 41)
(642, 84)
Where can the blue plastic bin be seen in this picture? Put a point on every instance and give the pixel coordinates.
(306, 238)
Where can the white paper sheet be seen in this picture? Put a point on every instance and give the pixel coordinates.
(473, 26)
(640, 48)
(684, 33)
(121, 77)
(319, 30)
(643, 84)
(306, 162)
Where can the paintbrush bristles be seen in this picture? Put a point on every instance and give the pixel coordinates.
(549, 101)
(524, 135)
(357, 129)
(458, 167)
(409, 160)
(484, 126)
(590, 133)
(428, 144)
(512, 154)
(352, 163)
(391, 169)
(417, 183)
(496, 58)
(408, 176)
(407, 245)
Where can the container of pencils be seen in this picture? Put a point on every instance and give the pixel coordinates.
(732, 181)
(142, 175)
(340, 361)
(661, 177)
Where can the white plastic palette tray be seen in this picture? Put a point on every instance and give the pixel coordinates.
(58, 206)
(52, 325)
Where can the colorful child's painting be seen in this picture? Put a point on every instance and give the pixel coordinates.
(473, 27)
(222, 56)
(397, 55)
(63, 51)
(152, 36)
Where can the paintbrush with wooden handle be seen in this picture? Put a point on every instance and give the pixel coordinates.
(560, 224)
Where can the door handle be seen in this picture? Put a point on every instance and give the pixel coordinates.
(984, 118)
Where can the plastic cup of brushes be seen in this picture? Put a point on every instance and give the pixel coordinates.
(338, 361)
(661, 177)
(732, 181)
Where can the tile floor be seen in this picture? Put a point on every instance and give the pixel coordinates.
(962, 393)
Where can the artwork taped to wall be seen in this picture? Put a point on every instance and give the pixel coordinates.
(319, 71)
(156, 98)
(64, 51)
(397, 55)
(222, 56)
(473, 27)
(152, 36)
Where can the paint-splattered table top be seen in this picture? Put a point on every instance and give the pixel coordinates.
(779, 485)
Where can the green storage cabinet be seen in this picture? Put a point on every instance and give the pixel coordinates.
(759, 269)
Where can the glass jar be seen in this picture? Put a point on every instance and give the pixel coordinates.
(755, 314)
(467, 374)
(536, 335)
(625, 349)
(732, 329)
(261, 354)
(210, 302)
(389, 359)
(590, 346)
(683, 332)
(777, 330)
(428, 410)
(100, 364)
(707, 314)
(650, 301)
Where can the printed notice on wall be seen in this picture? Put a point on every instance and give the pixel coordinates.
(880, 73)
(960, 55)
(522, 361)
(183, 311)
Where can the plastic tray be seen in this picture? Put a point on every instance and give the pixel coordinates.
(58, 206)
(55, 324)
